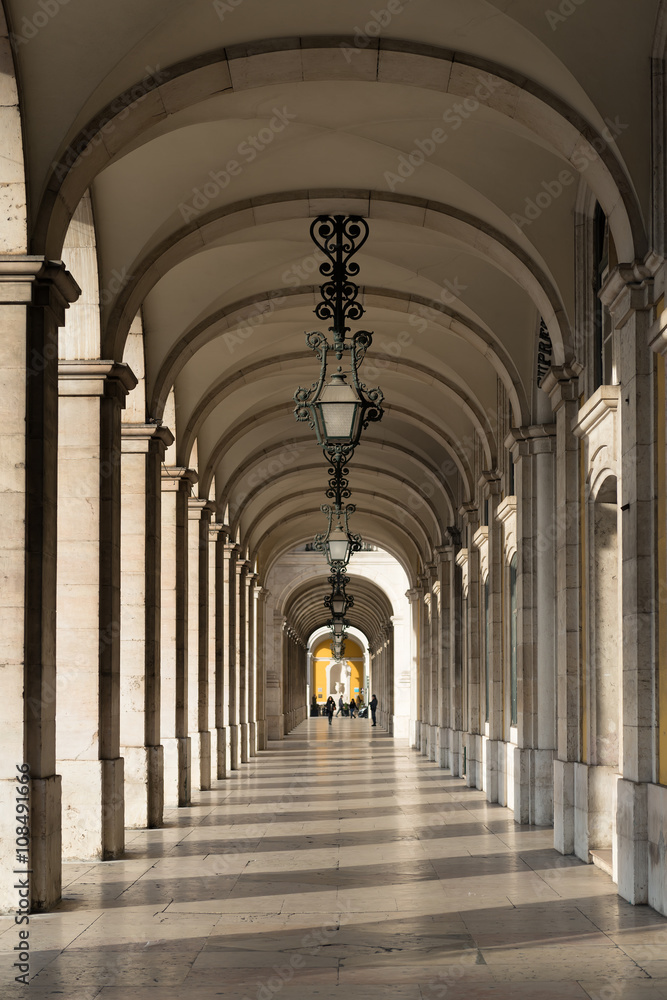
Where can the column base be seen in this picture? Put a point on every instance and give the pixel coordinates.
(634, 844)
(184, 771)
(252, 736)
(657, 853)
(443, 747)
(171, 762)
(261, 734)
(533, 786)
(490, 752)
(45, 844)
(594, 808)
(474, 776)
(139, 786)
(234, 747)
(245, 742)
(564, 806)
(275, 727)
(195, 760)
(93, 813)
(204, 760)
(222, 752)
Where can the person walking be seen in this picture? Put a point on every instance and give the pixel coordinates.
(374, 705)
(353, 707)
(340, 706)
(330, 708)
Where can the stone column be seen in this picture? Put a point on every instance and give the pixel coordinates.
(472, 736)
(176, 486)
(251, 668)
(199, 519)
(494, 732)
(34, 295)
(231, 634)
(92, 394)
(629, 294)
(532, 530)
(262, 596)
(242, 568)
(143, 449)
(274, 689)
(445, 557)
(562, 385)
(414, 597)
(223, 641)
(217, 696)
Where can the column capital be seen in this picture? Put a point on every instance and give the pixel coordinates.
(231, 548)
(175, 478)
(454, 535)
(537, 439)
(490, 481)
(215, 529)
(628, 289)
(112, 379)
(470, 514)
(413, 594)
(446, 552)
(139, 439)
(199, 509)
(561, 384)
(27, 279)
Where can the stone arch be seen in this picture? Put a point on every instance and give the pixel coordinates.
(193, 80)
(230, 317)
(477, 236)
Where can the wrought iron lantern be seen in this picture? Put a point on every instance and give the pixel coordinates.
(338, 543)
(338, 406)
(338, 601)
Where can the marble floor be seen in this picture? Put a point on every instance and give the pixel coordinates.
(340, 864)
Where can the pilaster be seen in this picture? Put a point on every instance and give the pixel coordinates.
(177, 483)
(143, 449)
(91, 396)
(34, 295)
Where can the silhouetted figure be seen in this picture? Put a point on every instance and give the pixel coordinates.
(314, 707)
(353, 708)
(330, 708)
(374, 705)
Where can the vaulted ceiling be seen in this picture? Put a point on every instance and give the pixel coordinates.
(210, 134)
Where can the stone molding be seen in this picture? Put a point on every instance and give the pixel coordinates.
(481, 542)
(137, 439)
(462, 562)
(198, 508)
(598, 427)
(628, 289)
(112, 379)
(561, 384)
(174, 477)
(506, 514)
(27, 279)
(535, 439)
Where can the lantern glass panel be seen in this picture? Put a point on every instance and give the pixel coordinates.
(338, 604)
(338, 404)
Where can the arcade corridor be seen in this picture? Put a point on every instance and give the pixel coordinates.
(341, 862)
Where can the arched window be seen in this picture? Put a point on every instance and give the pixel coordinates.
(603, 257)
(513, 642)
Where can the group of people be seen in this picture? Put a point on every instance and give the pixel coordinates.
(330, 707)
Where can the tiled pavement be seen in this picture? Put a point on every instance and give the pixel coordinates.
(341, 864)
